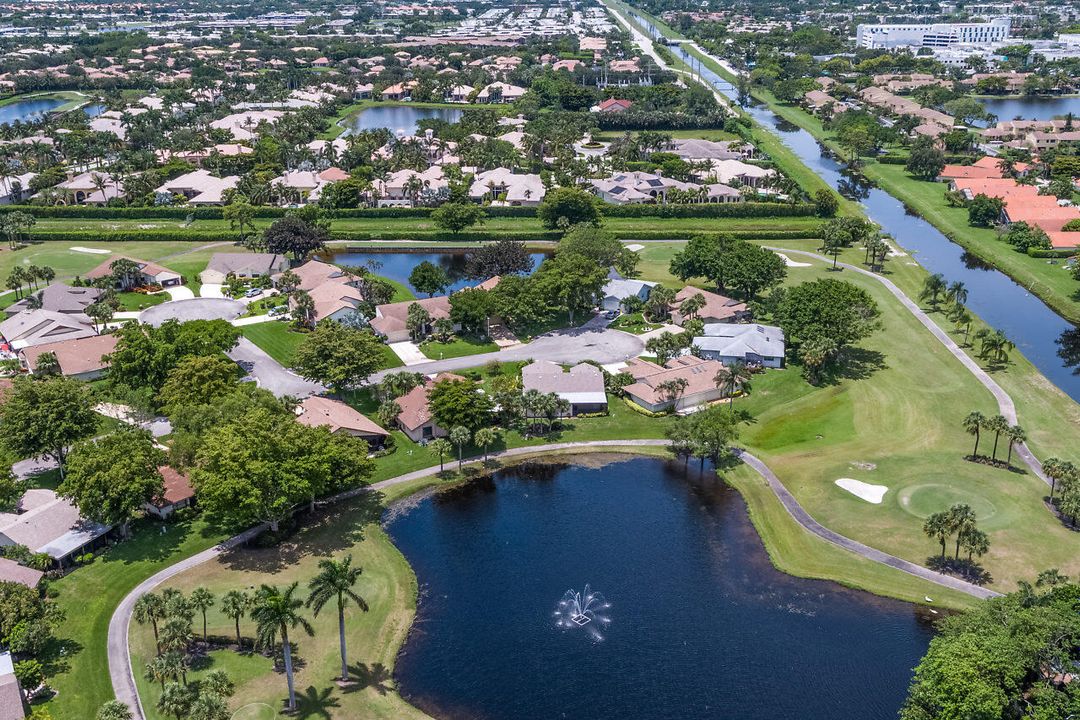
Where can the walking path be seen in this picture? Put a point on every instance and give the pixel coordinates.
(121, 672)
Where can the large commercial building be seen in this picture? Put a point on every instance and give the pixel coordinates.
(937, 35)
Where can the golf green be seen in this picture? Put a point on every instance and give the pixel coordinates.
(925, 499)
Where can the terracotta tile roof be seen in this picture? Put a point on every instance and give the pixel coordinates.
(717, 307)
(147, 268)
(414, 404)
(393, 316)
(698, 374)
(177, 487)
(76, 357)
(318, 411)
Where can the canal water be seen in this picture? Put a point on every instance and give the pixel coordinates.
(994, 296)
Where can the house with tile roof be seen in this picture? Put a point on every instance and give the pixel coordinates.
(717, 308)
(391, 320)
(177, 493)
(150, 273)
(80, 358)
(647, 390)
(416, 419)
(319, 411)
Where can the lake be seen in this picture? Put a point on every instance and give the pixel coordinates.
(34, 108)
(399, 119)
(701, 624)
(1032, 108)
(399, 265)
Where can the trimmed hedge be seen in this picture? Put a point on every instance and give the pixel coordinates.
(703, 210)
(1055, 253)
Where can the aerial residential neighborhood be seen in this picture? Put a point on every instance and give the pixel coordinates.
(510, 361)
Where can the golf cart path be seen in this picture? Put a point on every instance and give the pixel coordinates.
(121, 671)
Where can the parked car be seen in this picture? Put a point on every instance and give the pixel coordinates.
(253, 292)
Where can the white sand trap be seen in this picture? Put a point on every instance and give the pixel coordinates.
(865, 491)
(791, 263)
(92, 251)
(635, 247)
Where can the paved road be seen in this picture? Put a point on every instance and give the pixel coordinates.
(268, 373)
(1005, 403)
(193, 309)
(120, 670)
(591, 341)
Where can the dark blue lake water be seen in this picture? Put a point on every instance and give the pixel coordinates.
(1032, 108)
(35, 108)
(399, 119)
(702, 625)
(398, 265)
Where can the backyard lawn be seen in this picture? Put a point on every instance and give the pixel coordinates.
(132, 301)
(457, 347)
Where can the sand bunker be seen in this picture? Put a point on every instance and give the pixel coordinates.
(92, 251)
(864, 491)
(635, 248)
(791, 263)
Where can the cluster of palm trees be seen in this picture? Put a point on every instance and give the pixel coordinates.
(28, 277)
(275, 612)
(170, 615)
(459, 437)
(994, 345)
(959, 520)
(976, 423)
(14, 224)
(1064, 477)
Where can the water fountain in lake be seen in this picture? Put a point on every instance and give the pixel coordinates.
(583, 610)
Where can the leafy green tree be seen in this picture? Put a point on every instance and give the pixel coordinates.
(110, 479)
(291, 235)
(275, 612)
(470, 308)
(599, 246)
(711, 433)
(571, 282)
(197, 380)
(566, 207)
(338, 356)
(44, 418)
(456, 217)
(984, 211)
(241, 217)
(926, 160)
(30, 674)
(827, 315)
(500, 258)
(456, 403)
(826, 203)
(1023, 236)
(145, 355)
(429, 278)
(113, 710)
(335, 581)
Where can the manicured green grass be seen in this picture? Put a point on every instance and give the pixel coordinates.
(67, 262)
(88, 597)
(634, 323)
(276, 338)
(457, 347)
(263, 305)
(140, 301)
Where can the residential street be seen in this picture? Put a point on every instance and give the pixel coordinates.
(268, 373)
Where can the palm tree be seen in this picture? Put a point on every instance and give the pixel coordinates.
(933, 287)
(956, 293)
(440, 447)
(1057, 470)
(938, 526)
(163, 668)
(335, 581)
(460, 435)
(1015, 434)
(175, 700)
(999, 425)
(202, 600)
(973, 423)
(113, 710)
(961, 521)
(738, 379)
(485, 437)
(149, 608)
(235, 604)
(275, 612)
(691, 306)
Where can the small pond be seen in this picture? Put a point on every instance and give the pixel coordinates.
(398, 265)
(35, 108)
(1033, 108)
(399, 119)
(700, 623)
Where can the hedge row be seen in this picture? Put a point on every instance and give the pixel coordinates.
(702, 210)
(1055, 253)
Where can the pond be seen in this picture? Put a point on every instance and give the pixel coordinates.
(35, 108)
(398, 265)
(399, 119)
(1032, 108)
(1036, 330)
(701, 624)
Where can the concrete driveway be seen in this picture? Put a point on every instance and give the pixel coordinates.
(409, 353)
(180, 292)
(212, 290)
(591, 341)
(193, 309)
(269, 374)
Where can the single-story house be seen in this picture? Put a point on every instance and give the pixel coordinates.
(47, 523)
(58, 298)
(613, 105)
(391, 320)
(415, 418)
(582, 385)
(13, 572)
(500, 92)
(335, 300)
(81, 358)
(717, 308)
(649, 379)
(178, 493)
(752, 344)
(318, 411)
(199, 187)
(242, 265)
(16, 188)
(314, 273)
(149, 273)
(91, 187)
(618, 290)
(37, 327)
(12, 702)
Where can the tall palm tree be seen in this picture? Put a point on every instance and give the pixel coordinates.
(938, 526)
(933, 287)
(335, 581)
(202, 600)
(175, 700)
(738, 378)
(1016, 434)
(460, 435)
(999, 425)
(485, 437)
(149, 608)
(961, 521)
(235, 604)
(973, 423)
(1057, 470)
(276, 611)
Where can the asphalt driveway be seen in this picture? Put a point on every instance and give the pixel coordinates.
(268, 373)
